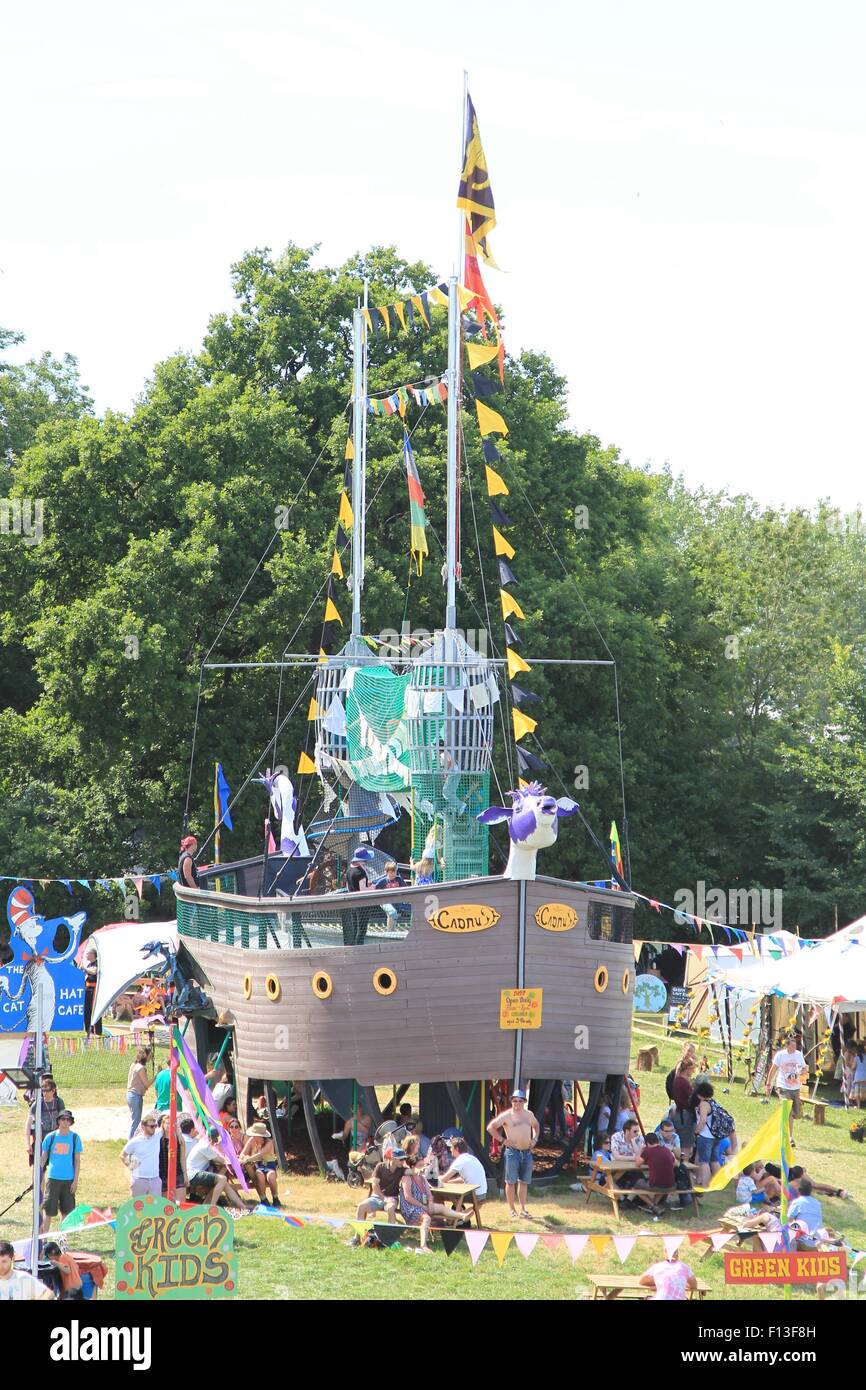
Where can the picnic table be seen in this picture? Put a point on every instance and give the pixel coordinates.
(456, 1194)
(610, 1286)
(615, 1167)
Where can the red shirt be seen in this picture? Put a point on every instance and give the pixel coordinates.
(682, 1088)
(660, 1165)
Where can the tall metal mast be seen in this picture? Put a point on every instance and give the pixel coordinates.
(453, 381)
(359, 460)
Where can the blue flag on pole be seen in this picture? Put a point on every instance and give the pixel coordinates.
(224, 794)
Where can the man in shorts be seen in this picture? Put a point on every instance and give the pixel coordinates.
(788, 1065)
(520, 1129)
(61, 1164)
(208, 1173)
(386, 1179)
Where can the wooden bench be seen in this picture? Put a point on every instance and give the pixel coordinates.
(819, 1108)
(616, 1194)
(610, 1286)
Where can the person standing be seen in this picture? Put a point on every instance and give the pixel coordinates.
(52, 1105)
(180, 1179)
(357, 881)
(788, 1065)
(520, 1129)
(162, 1088)
(137, 1086)
(61, 1163)
(91, 973)
(187, 872)
(141, 1157)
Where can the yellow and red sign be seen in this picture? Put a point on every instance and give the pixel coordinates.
(520, 1008)
(786, 1267)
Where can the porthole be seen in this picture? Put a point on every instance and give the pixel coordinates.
(248, 986)
(384, 980)
(626, 980)
(601, 979)
(322, 984)
(272, 988)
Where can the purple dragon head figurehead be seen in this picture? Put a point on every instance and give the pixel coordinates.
(533, 815)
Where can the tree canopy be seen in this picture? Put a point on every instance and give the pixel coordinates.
(738, 632)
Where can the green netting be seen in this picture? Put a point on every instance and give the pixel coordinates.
(205, 922)
(376, 729)
(309, 923)
(446, 805)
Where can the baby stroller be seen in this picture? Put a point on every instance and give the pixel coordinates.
(362, 1161)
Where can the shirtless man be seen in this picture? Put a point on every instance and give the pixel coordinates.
(521, 1130)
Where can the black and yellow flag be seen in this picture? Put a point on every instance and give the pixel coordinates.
(475, 195)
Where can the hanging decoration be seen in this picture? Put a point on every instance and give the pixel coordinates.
(405, 314)
(417, 515)
(395, 402)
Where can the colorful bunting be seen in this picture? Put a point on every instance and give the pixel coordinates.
(500, 1240)
(417, 515)
(522, 724)
(346, 516)
(515, 663)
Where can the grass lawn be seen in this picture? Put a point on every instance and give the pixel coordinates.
(276, 1261)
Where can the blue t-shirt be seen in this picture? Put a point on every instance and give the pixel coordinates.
(806, 1209)
(61, 1150)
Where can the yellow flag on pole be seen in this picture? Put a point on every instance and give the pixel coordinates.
(481, 353)
(489, 421)
(510, 605)
(765, 1144)
(331, 613)
(313, 711)
(306, 764)
(501, 546)
(495, 483)
(515, 663)
(522, 724)
(346, 517)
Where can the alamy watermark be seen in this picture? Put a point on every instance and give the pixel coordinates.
(394, 644)
(738, 907)
(22, 516)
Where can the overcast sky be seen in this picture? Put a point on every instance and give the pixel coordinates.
(679, 189)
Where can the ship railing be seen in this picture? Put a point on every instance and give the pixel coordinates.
(294, 923)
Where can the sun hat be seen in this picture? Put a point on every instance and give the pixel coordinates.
(66, 1115)
(518, 1095)
(362, 854)
(260, 1130)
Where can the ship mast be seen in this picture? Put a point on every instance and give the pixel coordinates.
(452, 550)
(359, 460)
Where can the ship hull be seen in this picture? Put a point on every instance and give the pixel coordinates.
(425, 1005)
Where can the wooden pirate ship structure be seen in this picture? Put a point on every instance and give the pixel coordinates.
(459, 982)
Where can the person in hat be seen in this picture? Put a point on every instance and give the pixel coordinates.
(208, 1173)
(260, 1152)
(385, 1187)
(187, 872)
(61, 1164)
(357, 881)
(520, 1129)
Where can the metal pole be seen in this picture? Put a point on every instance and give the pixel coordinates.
(359, 406)
(453, 417)
(521, 978)
(172, 1108)
(309, 659)
(37, 1129)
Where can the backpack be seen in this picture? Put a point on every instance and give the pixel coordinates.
(669, 1084)
(719, 1122)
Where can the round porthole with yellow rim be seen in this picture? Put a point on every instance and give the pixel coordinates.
(626, 981)
(323, 985)
(602, 977)
(248, 986)
(272, 988)
(384, 980)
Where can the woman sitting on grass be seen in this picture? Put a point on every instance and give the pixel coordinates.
(260, 1152)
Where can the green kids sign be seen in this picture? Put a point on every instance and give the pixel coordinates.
(165, 1252)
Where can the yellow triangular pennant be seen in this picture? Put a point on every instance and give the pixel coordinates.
(313, 711)
(599, 1243)
(638, 947)
(337, 565)
(400, 311)
(501, 546)
(350, 449)
(515, 663)
(521, 784)
(489, 421)
(383, 310)
(522, 724)
(510, 605)
(465, 296)
(437, 296)
(495, 484)
(368, 316)
(481, 353)
(346, 517)
(306, 764)
(331, 614)
(418, 302)
(500, 1240)
(323, 655)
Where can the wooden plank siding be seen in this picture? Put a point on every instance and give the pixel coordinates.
(442, 1020)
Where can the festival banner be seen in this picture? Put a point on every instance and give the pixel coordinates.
(168, 1252)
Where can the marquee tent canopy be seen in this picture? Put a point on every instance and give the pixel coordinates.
(831, 973)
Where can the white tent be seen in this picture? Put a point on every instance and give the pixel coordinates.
(831, 973)
(121, 957)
